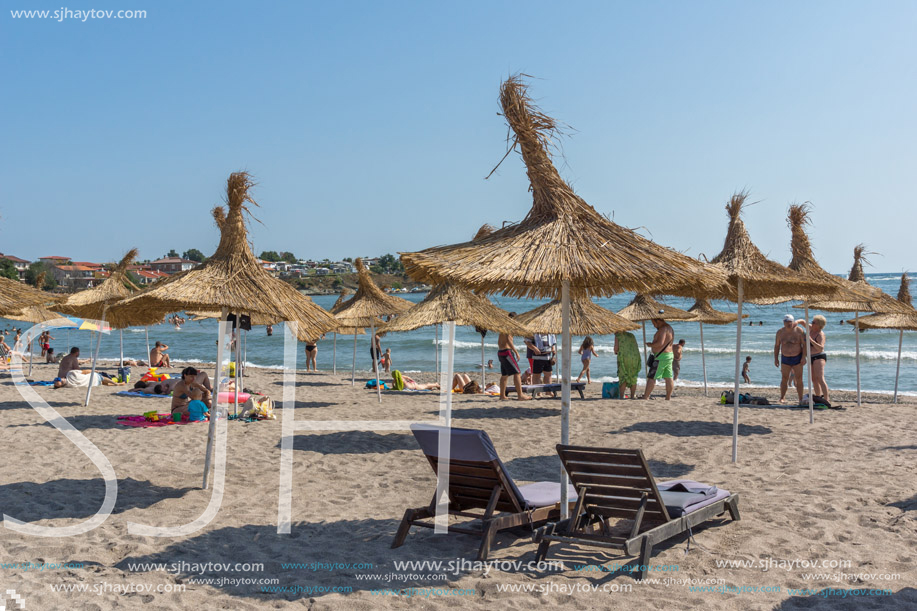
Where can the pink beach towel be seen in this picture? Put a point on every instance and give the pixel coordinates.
(142, 423)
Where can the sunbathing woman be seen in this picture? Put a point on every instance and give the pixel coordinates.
(191, 378)
(411, 384)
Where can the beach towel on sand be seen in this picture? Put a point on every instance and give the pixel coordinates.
(141, 422)
(143, 395)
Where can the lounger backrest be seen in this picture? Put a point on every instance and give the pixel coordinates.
(475, 469)
(615, 480)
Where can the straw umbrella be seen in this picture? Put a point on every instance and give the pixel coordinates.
(754, 276)
(883, 304)
(15, 295)
(900, 321)
(447, 303)
(365, 309)
(334, 354)
(586, 318)
(704, 312)
(643, 308)
(563, 244)
(234, 281)
(94, 303)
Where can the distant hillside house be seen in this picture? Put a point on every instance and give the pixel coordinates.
(20, 264)
(173, 265)
(148, 277)
(56, 260)
(78, 277)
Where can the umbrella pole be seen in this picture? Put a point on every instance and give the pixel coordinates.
(566, 352)
(92, 373)
(376, 355)
(703, 357)
(353, 368)
(121, 347)
(147, 329)
(898, 367)
(644, 340)
(334, 355)
(214, 408)
(483, 378)
(735, 398)
(809, 367)
(445, 381)
(237, 335)
(31, 350)
(857, 331)
(436, 346)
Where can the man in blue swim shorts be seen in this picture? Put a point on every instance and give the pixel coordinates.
(788, 349)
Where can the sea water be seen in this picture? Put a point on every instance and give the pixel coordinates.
(416, 351)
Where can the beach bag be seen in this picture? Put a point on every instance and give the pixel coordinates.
(397, 380)
(372, 384)
(651, 366)
(258, 406)
(611, 390)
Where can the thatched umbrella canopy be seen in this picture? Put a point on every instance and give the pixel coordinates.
(898, 320)
(586, 318)
(93, 303)
(643, 308)
(561, 240)
(878, 302)
(365, 309)
(754, 276)
(34, 315)
(15, 295)
(803, 262)
(562, 244)
(234, 281)
(704, 312)
(449, 303)
(232, 278)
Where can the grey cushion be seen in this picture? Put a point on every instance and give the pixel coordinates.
(545, 494)
(684, 496)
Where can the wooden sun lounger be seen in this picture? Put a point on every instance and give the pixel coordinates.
(539, 388)
(479, 481)
(613, 483)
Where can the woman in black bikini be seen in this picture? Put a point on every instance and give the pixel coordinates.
(311, 353)
(817, 341)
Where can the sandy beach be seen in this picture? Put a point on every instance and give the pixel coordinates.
(829, 505)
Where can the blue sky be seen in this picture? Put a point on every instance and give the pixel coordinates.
(370, 126)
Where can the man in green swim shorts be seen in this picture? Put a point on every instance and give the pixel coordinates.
(661, 346)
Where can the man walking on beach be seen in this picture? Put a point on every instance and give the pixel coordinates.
(509, 364)
(661, 347)
(788, 347)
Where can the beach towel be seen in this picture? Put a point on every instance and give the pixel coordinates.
(141, 422)
(397, 380)
(40, 383)
(142, 395)
(629, 361)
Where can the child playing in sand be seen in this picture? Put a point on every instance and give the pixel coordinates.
(745, 370)
(587, 351)
(386, 360)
